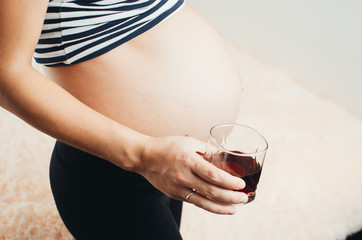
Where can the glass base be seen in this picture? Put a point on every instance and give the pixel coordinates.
(251, 197)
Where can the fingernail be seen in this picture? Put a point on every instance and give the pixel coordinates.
(244, 198)
(241, 185)
(232, 210)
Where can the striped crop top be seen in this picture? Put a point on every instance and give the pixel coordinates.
(77, 30)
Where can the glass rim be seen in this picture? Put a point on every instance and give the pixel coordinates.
(238, 125)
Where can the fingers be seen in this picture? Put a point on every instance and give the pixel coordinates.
(214, 175)
(210, 205)
(216, 193)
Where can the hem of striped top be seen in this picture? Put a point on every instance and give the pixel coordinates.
(112, 46)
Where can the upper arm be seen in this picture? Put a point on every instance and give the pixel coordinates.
(21, 22)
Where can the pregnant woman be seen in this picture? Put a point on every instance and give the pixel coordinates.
(131, 90)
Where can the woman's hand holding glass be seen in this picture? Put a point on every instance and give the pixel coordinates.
(172, 165)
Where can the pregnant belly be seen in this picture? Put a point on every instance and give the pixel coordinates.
(175, 79)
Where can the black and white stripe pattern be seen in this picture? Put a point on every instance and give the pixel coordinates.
(77, 30)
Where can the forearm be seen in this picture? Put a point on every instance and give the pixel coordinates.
(49, 108)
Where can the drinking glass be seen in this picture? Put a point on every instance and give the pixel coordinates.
(239, 150)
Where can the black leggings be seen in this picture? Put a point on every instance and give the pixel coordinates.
(98, 200)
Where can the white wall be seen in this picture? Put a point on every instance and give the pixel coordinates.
(318, 42)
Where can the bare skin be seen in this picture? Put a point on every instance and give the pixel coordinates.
(134, 105)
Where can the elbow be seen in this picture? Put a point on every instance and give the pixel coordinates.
(11, 75)
(10, 70)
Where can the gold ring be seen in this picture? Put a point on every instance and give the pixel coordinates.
(189, 195)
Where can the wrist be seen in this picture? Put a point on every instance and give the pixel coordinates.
(128, 148)
(135, 152)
